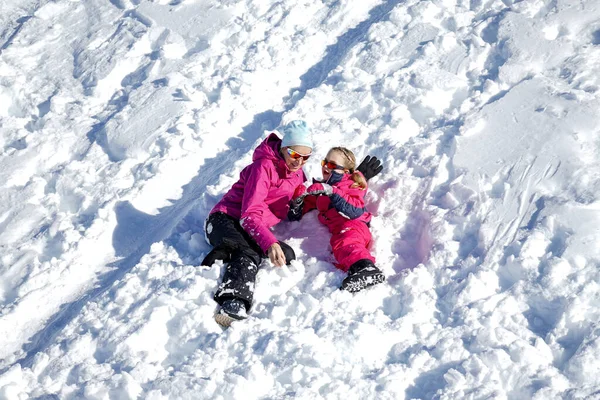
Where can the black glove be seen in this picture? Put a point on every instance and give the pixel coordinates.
(296, 206)
(370, 167)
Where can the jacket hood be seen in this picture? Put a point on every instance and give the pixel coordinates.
(268, 149)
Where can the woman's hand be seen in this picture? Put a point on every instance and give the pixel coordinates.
(295, 211)
(276, 255)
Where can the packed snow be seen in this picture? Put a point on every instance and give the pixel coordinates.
(124, 121)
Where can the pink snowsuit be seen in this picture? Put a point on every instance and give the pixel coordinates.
(350, 234)
(260, 198)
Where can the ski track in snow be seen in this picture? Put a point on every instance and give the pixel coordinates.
(483, 296)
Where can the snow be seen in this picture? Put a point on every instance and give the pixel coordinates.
(123, 122)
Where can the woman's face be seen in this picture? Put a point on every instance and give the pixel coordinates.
(337, 158)
(294, 164)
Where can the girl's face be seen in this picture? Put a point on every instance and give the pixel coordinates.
(295, 156)
(337, 158)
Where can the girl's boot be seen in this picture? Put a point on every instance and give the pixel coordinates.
(361, 275)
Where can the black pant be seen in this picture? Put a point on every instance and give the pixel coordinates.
(232, 243)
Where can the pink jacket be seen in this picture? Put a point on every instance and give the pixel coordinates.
(260, 198)
(346, 203)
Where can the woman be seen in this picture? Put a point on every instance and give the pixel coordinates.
(239, 225)
(339, 198)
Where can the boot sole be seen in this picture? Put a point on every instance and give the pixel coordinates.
(363, 283)
(224, 320)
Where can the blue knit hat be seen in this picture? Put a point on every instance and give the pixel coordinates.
(296, 133)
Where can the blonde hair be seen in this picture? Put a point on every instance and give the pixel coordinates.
(350, 164)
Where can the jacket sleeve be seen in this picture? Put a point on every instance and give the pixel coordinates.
(254, 208)
(349, 203)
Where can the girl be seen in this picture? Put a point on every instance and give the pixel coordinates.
(339, 198)
(239, 225)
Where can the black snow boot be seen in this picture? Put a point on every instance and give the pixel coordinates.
(361, 275)
(231, 310)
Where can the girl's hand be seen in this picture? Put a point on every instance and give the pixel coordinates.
(320, 188)
(370, 167)
(299, 193)
(276, 255)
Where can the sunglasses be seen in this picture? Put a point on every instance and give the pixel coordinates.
(295, 155)
(331, 165)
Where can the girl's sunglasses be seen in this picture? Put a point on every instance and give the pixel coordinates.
(295, 155)
(331, 165)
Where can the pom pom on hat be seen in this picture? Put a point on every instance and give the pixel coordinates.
(296, 133)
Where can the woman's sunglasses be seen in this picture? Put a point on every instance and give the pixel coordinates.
(295, 155)
(331, 165)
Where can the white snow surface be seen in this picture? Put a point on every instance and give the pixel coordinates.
(124, 121)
